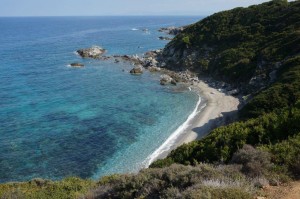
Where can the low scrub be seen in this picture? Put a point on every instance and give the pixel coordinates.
(178, 181)
(41, 189)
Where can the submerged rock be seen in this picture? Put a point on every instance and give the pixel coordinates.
(77, 65)
(93, 52)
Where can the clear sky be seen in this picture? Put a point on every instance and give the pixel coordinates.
(117, 7)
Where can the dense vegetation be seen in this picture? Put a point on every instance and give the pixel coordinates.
(238, 44)
(234, 160)
(285, 92)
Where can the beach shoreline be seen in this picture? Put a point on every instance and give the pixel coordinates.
(215, 109)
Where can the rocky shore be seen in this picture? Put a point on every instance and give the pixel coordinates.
(171, 30)
(93, 52)
(155, 61)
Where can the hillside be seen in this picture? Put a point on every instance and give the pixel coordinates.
(243, 46)
(255, 49)
(274, 110)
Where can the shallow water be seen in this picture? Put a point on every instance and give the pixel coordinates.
(58, 121)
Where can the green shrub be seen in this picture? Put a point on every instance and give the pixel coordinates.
(186, 40)
(286, 153)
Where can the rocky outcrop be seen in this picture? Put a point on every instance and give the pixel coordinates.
(134, 59)
(172, 30)
(165, 79)
(93, 52)
(154, 69)
(164, 38)
(137, 70)
(77, 65)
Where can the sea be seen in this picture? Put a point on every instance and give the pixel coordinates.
(57, 121)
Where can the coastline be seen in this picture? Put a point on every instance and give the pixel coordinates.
(215, 109)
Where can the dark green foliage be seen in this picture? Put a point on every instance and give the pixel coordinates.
(285, 92)
(242, 41)
(287, 153)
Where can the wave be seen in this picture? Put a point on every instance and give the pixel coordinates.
(173, 137)
(134, 29)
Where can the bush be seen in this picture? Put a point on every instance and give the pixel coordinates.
(286, 153)
(255, 162)
(178, 181)
(71, 187)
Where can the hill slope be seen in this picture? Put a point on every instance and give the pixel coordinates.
(243, 46)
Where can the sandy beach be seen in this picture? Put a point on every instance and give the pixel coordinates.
(220, 108)
(216, 109)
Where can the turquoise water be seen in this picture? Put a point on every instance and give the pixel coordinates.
(58, 121)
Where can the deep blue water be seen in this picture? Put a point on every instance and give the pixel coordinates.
(57, 121)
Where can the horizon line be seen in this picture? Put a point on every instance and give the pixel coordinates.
(108, 16)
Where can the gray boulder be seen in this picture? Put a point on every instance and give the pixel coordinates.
(137, 70)
(154, 69)
(93, 52)
(165, 79)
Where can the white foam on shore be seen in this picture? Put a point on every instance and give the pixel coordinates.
(173, 137)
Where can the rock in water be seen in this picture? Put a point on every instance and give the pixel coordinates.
(165, 79)
(164, 38)
(77, 65)
(137, 70)
(93, 52)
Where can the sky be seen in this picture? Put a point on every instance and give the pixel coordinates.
(118, 7)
